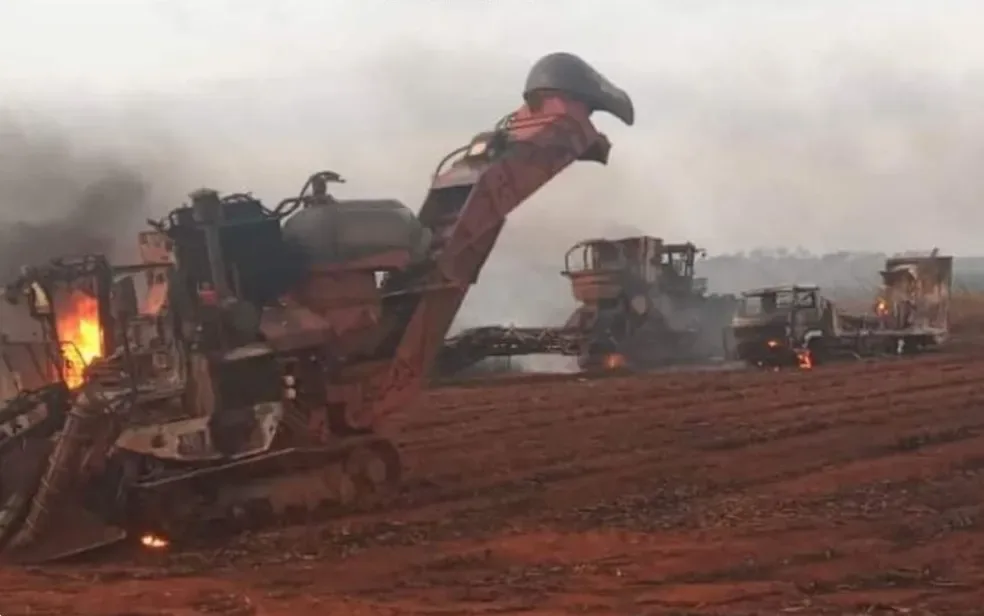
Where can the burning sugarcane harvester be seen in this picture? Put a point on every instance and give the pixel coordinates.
(640, 306)
(248, 387)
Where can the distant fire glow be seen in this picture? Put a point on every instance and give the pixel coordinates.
(614, 361)
(805, 359)
(77, 322)
(154, 542)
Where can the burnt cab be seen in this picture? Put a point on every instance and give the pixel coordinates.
(772, 325)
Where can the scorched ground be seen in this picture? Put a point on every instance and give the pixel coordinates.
(837, 490)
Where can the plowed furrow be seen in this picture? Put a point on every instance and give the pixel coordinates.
(843, 489)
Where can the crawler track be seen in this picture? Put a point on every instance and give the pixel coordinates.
(834, 491)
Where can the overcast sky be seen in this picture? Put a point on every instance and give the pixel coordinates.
(827, 124)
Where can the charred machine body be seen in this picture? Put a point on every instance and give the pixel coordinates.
(639, 306)
(248, 384)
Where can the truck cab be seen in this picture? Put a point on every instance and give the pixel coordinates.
(775, 325)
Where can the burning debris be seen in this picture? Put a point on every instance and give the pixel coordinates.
(881, 307)
(804, 359)
(614, 361)
(154, 542)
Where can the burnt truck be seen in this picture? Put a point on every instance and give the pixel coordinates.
(797, 325)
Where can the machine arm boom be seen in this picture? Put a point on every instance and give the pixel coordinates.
(468, 203)
(473, 345)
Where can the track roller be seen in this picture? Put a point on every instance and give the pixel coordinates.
(280, 488)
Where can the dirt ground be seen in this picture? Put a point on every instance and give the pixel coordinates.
(851, 489)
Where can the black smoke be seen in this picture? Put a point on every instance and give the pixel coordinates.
(66, 193)
(90, 226)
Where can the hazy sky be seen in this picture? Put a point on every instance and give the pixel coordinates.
(827, 124)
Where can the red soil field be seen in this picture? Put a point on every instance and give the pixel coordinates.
(848, 489)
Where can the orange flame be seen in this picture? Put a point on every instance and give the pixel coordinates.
(614, 361)
(154, 542)
(805, 359)
(77, 323)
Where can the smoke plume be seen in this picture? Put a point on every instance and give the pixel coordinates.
(850, 126)
(66, 193)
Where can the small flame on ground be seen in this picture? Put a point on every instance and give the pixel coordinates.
(804, 359)
(772, 344)
(155, 542)
(614, 361)
(77, 323)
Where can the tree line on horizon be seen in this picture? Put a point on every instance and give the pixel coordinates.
(739, 271)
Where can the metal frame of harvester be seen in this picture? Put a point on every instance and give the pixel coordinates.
(639, 306)
(253, 391)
